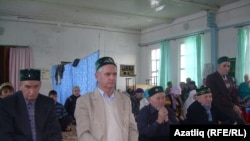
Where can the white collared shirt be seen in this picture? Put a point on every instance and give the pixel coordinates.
(106, 97)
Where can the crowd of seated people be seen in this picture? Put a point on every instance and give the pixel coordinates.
(196, 99)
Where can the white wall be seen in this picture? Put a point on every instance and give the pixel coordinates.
(226, 18)
(53, 43)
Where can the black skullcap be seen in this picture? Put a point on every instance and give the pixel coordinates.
(223, 59)
(155, 90)
(203, 90)
(52, 92)
(104, 61)
(30, 74)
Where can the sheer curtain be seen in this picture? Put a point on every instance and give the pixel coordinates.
(193, 58)
(81, 75)
(243, 58)
(164, 70)
(20, 58)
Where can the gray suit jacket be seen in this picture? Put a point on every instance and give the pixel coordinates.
(91, 120)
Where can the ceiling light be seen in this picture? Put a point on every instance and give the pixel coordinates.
(154, 3)
(159, 8)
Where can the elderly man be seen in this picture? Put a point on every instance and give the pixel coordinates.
(70, 102)
(222, 89)
(28, 115)
(244, 88)
(105, 114)
(154, 120)
(208, 114)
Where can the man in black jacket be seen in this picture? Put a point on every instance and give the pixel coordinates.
(223, 92)
(70, 103)
(28, 115)
(154, 120)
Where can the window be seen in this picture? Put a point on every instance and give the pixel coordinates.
(155, 59)
(248, 52)
(183, 75)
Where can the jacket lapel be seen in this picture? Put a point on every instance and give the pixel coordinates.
(99, 109)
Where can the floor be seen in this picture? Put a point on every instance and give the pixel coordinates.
(70, 136)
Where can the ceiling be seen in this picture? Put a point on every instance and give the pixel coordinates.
(125, 14)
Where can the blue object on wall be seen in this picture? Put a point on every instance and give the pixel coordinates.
(82, 75)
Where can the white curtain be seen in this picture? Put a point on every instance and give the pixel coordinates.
(20, 58)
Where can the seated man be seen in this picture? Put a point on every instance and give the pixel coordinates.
(207, 113)
(154, 120)
(135, 101)
(64, 118)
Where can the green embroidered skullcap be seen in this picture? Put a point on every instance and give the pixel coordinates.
(223, 59)
(202, 91)
(169, 83)
(104, 61)
(30, 74)
(155, 90)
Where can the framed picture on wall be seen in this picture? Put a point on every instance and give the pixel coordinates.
(127, 70)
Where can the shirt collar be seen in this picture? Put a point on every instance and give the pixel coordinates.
(105, 96)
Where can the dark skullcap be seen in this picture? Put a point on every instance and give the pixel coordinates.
(104, 61)
(192, 82)
(139, 90)
(154, 90)
(52, 92)
(169, 83)
(30, 74)
(223, 59)
(203, 90)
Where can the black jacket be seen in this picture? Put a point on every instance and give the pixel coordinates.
(14, 119)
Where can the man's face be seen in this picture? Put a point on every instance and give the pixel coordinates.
(76, 91)
(157, 100)
(106, 76)
(54, 97)
(246, 78)
(224, 68)
(205, 99)
(139, 95)
(30, 89)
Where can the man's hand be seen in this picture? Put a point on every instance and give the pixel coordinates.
(237, 110)
(162, 115)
